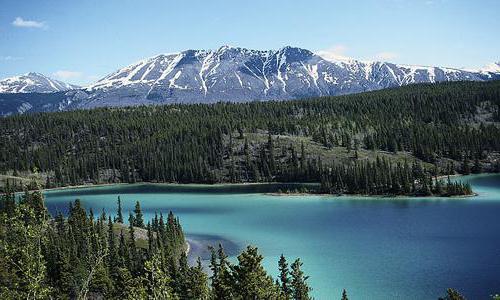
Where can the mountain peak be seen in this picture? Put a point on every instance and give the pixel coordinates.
(226, 47)
(231, 73)
(492, 68)
(33, 82)
(296, 52)
(235, 74)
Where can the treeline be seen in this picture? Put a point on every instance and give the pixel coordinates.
(384, 178)
(98, 257)
(435, 123)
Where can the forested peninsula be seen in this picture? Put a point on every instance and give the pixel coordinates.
(388, 142)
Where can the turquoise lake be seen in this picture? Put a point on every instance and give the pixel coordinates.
(375, 248)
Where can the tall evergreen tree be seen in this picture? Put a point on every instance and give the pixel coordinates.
(284, 277)
(138, 219)
(300, 287)
(119, 215)
(344, 295)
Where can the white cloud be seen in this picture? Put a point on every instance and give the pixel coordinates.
(10, 58)
(335, 53)
(386, 56)
(20, 22)
(67, 75)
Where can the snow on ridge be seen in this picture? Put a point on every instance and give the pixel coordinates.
(229, 72)
(33, 82)
(491, 68)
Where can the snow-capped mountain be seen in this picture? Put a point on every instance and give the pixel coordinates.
(33, 83)
(228, 74)
(491, 69)
(238, 74)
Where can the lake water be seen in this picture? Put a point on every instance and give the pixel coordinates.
(375, 248)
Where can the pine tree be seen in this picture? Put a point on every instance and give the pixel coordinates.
(300, 287)
(138, 219)
(271, 158)
(465, 166)
(112, 255)
(133, 257)
(27, 279)
(198, 282)
(452, 294)
(284, 277)
(344, 295)
(221, 274)
(250, 279)
(123, 251)
(157, 279)
(119, 215)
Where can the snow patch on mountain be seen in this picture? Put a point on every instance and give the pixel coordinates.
(33, 83)
(233, 74)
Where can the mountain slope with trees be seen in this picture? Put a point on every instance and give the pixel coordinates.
(385, 142)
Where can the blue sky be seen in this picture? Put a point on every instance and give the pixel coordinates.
(81, 41)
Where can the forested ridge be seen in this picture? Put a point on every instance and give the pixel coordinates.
(385, 142)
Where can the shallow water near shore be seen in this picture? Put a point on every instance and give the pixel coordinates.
(375, 248)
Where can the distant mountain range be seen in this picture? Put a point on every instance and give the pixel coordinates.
(34, 83)
(226, 74)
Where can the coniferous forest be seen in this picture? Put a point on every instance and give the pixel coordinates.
(249, 150)
(87, 256)
(393, 141)
(403, 141)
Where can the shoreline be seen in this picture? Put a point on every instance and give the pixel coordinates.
(455, 175)
(83, 186)
(219, 184)
(188, 247)
(364, 196)
(274, 194)
(215, 185)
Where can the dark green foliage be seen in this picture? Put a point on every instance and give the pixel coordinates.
(300, 288)
(81, 257)
(23, 271)
(250, 280)
(383, 177)
(221, 274)
(119, 214)
(284, 277)
(344, 295)
(138, 219)
(452, 294)
(434, 123)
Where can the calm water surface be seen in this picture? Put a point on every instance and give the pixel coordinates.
(375, 248)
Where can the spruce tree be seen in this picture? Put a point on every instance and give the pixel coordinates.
(221, 278)
(452, 294)
(250, 279)
(284, 277)
(344, 295)
(198, 282)
(138, 219)
(119, 215)
(300, 287)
